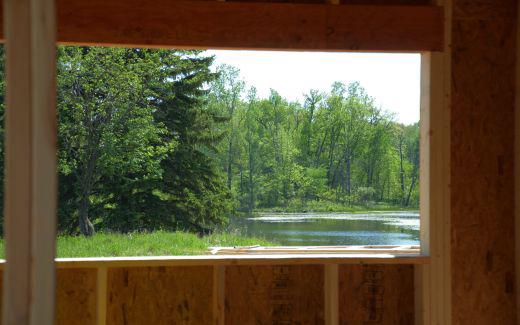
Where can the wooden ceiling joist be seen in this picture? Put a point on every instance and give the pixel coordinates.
(238, 25)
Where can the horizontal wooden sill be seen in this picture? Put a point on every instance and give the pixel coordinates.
(372, 249)
(261, 256)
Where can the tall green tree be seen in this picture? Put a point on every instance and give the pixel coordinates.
(192, 189)
(106, 127)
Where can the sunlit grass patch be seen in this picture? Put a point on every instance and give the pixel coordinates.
(158, 243)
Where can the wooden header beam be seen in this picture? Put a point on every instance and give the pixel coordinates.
(236, 25)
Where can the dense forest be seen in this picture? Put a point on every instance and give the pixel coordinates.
(161, 139)
(336, 147)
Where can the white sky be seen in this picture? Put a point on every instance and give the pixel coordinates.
(392, 79)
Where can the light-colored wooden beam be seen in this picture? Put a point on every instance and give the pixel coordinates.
(101, 295)
(235, 25)
(219, 294)
(216, 260)
(30, 178)
(433, 281)
(331, 295)
(517, 170)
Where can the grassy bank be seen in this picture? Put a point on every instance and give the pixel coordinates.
(336, 207)
(145, 244)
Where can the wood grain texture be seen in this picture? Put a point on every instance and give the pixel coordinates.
(482, 157)
(275, 295)
(388, 2)
(160, 295)
(282, 1)
(76, 297)
(30, 162)
(197, 24)
(255, 259)
(281, 26)
(376, 294)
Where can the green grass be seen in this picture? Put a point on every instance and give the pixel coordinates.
(314, 206)
(145, 244)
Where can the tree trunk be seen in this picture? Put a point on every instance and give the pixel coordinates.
(85, 226)
(319, 150)
(348, 177)
(87, 182)
(251, 184)
(229, 164)
(414, 178)
(401, 170)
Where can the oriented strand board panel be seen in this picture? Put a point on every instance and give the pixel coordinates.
(280, 295)
(388, 2)
(376, 294)
(218, 24)
(281, 1)
(160, 295)
(76, 296)
(201, 24)
(1, 295)
(482, 157)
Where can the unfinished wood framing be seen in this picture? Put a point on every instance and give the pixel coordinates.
(101, 295)
(77, 299)
(433, 280)
(306, 287)
(279, 294)
(471, 278)
(213, 24)
(160, 295)
(405, 250)
(285, 259)
(482, 162)
(331, 294)
(517, 171)
(30, 181)
(219, 294)
(376, 294)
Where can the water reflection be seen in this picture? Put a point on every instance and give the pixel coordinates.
(375, 228)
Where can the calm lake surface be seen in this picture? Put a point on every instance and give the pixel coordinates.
(320, 229)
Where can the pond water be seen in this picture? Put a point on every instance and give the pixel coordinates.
(321, 229)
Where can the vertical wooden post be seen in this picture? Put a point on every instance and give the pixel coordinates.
(517, 168)
(30, 178)
(101, 294)
(331, 294)
(219, 294)
(433, 282)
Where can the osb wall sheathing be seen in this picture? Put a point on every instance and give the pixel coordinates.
(76, 296)
(279, 295)
(375, 294)
(482, 148)
(257, 295)
(362, 2)
(387, 2)
(160, 295)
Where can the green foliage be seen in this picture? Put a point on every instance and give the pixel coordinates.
(154, 140)
(146, 244)
(338, 149)
(137, 141)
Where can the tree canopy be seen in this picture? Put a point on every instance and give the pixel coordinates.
(159, 139)
(335, 147)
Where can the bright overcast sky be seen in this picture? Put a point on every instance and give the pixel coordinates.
(392, 79)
